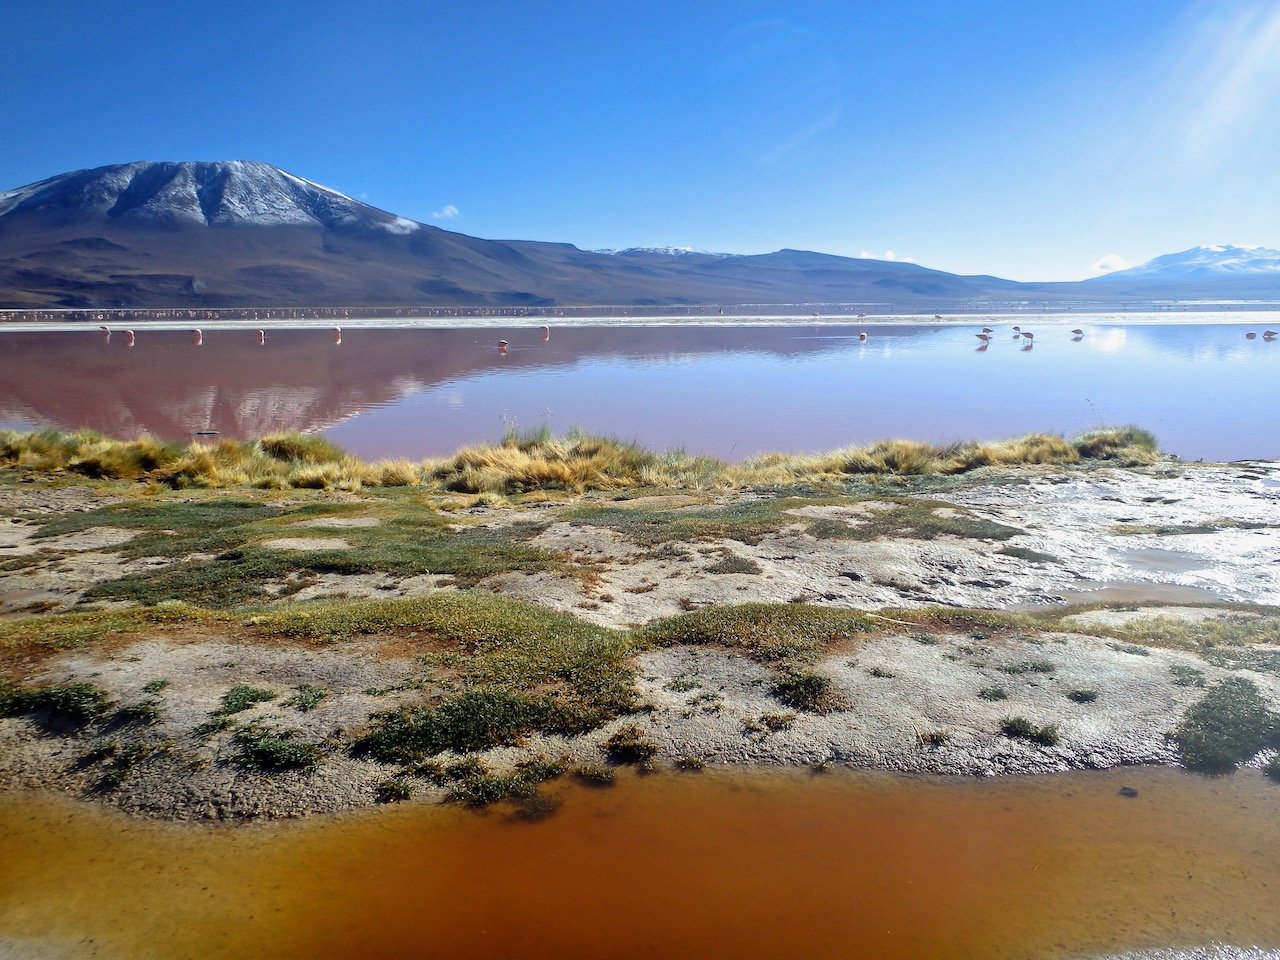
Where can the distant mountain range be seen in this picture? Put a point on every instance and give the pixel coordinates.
(246, 234)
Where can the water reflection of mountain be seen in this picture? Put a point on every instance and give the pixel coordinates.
(301, 380)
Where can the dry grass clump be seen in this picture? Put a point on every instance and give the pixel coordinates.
(84, 452)
(1127, 445)
(280, 461)
(532, 461)
(537, 460)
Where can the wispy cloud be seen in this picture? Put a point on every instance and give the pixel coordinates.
(802, 137)
(887, 255)
(783, 82)
(447, 212)
(1226, 82)
(1109, 264)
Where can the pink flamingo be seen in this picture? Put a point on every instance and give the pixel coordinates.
(262, 338)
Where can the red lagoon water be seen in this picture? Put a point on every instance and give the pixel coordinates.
(1204, 389)
(745, 865)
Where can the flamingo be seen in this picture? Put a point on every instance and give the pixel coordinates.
(1028, 335)
(984, 337)
(987, 330)
(546, 333)
(337, 336)
(1251, 335)
(862, 337)
(262, 338)
(1268, 335)
(129, 338)
(197, 337)
(502, 346)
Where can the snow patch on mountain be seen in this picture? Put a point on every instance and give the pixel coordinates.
(660, 252)
(236, 192)
(1217, 260)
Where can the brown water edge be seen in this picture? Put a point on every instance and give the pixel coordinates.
(743, 864)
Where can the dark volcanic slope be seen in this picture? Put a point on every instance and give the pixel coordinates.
(249, 234)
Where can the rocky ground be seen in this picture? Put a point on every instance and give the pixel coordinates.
(912, 695)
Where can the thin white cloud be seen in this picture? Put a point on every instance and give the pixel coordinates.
(1109, 264)
(887, 255)
(447, 212)
(802, 137)
(1227, 82)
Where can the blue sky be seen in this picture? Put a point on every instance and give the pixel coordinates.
(1025, 139)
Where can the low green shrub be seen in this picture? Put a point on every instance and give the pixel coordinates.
(629, 745)
(393, 790)
(268, 750)
(806, 690)
(240, 698)
(480, 787)
(594, 774)
(75, 703)
(476, 719)
(1027, 666)
(146, 711)
(306, 697)
(1020, 728)
(1229, 724)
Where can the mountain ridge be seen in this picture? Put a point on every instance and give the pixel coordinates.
(157, 234)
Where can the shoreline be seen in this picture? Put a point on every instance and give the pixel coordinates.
(317, 651)
(1144, 317)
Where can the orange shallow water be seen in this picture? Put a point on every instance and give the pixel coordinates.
(734, 864)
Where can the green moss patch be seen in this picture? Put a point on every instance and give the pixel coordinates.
(1230, 724)
(770, 634)
(521, 669)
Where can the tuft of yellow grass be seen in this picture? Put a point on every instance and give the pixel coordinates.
(537, 461)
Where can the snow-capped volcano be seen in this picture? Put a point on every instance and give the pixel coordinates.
(1219, 261)
(240, 192)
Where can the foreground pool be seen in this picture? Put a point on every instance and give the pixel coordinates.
(755, 864)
